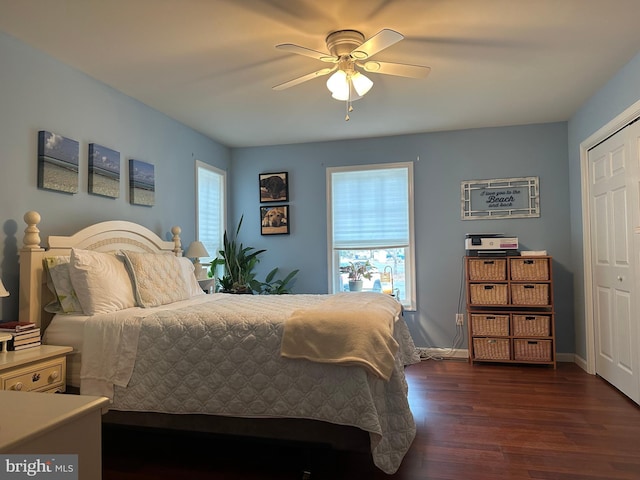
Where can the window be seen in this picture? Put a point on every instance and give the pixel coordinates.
(210, 207)
(371, 219)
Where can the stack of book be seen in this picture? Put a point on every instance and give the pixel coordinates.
(24, 335)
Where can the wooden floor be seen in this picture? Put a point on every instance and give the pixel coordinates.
(481, 422)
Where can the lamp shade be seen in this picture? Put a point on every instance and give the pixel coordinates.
(346, 87)
(3, 291)
(338, 85)
(196, 250)
(361, 83)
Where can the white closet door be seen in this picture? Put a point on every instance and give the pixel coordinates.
(613, 173)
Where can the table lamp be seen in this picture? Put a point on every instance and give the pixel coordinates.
(195, 251)
(3, 291)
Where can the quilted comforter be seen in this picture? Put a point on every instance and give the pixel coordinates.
(220, 354)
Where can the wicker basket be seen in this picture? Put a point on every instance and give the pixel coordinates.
(490, 325)
(532, 350)
(488, 293)
(529, 269)
(530, 294)
(491, 349)
(532, 325)
(484, 269)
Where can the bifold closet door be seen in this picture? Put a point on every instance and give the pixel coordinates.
(613, 181)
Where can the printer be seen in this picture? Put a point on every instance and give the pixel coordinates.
(490, 245)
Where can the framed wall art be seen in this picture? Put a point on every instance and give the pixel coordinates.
(500, 198)
(142, 183)
(104, 171)
(274, 187)
(274, 220)
(57, 162)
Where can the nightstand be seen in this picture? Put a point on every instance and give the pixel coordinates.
(37, 369)
(207, 284)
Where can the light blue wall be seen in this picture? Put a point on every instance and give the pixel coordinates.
(622, 91)
(446, 159)
(39, 93)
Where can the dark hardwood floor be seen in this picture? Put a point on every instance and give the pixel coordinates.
(481, 422)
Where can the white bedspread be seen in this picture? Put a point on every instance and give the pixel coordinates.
(221, 355)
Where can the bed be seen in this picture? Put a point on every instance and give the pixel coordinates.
(168, 355)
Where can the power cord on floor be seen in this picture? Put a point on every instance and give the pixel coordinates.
(459, 335)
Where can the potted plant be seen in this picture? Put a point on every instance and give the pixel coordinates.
(356, 271)
(239, 263)
(279, 286)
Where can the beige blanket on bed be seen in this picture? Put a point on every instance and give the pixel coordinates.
(354, 328)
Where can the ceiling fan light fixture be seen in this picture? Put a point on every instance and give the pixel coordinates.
(338, 85)
(348, 87)
(361, 83)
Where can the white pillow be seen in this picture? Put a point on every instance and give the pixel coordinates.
(188, 272)
(101, 281)
(158, 278)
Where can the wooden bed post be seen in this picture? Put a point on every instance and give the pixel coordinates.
(176, 241)
(30, 300)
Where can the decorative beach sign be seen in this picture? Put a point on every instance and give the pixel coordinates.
(57, 162)
(104, 171)
(141, 183)
(500, 198)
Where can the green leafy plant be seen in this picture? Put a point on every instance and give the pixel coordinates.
(239, 264)
(277, 287)
(358, 270)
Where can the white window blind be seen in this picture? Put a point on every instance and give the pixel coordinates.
(370, 208)
(370, 218)
(210, 207)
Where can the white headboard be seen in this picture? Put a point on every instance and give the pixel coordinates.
(103, 236)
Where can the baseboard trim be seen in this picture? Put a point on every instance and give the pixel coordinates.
(463, 354)
(443, 353)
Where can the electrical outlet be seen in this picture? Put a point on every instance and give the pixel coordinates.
(459, 318)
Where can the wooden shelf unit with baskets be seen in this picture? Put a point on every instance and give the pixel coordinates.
(510, 309)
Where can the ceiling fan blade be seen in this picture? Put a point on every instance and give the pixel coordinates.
(292, 48)
(398, 69)
(381, 40)
(304, 78)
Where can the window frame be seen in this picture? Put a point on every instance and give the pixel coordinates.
(333, 266)
(223, 205)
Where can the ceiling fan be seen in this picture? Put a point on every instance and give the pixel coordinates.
(350, 55)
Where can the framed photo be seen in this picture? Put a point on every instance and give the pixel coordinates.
(274, 220)
(274, 187)
(104, 171)
(57, 162)
(142, 183)
(500, 198)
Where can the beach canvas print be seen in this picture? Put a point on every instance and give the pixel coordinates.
(141, 183)
(104, 171)
(57, 162)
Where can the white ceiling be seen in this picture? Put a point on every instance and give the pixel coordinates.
(211, 64)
